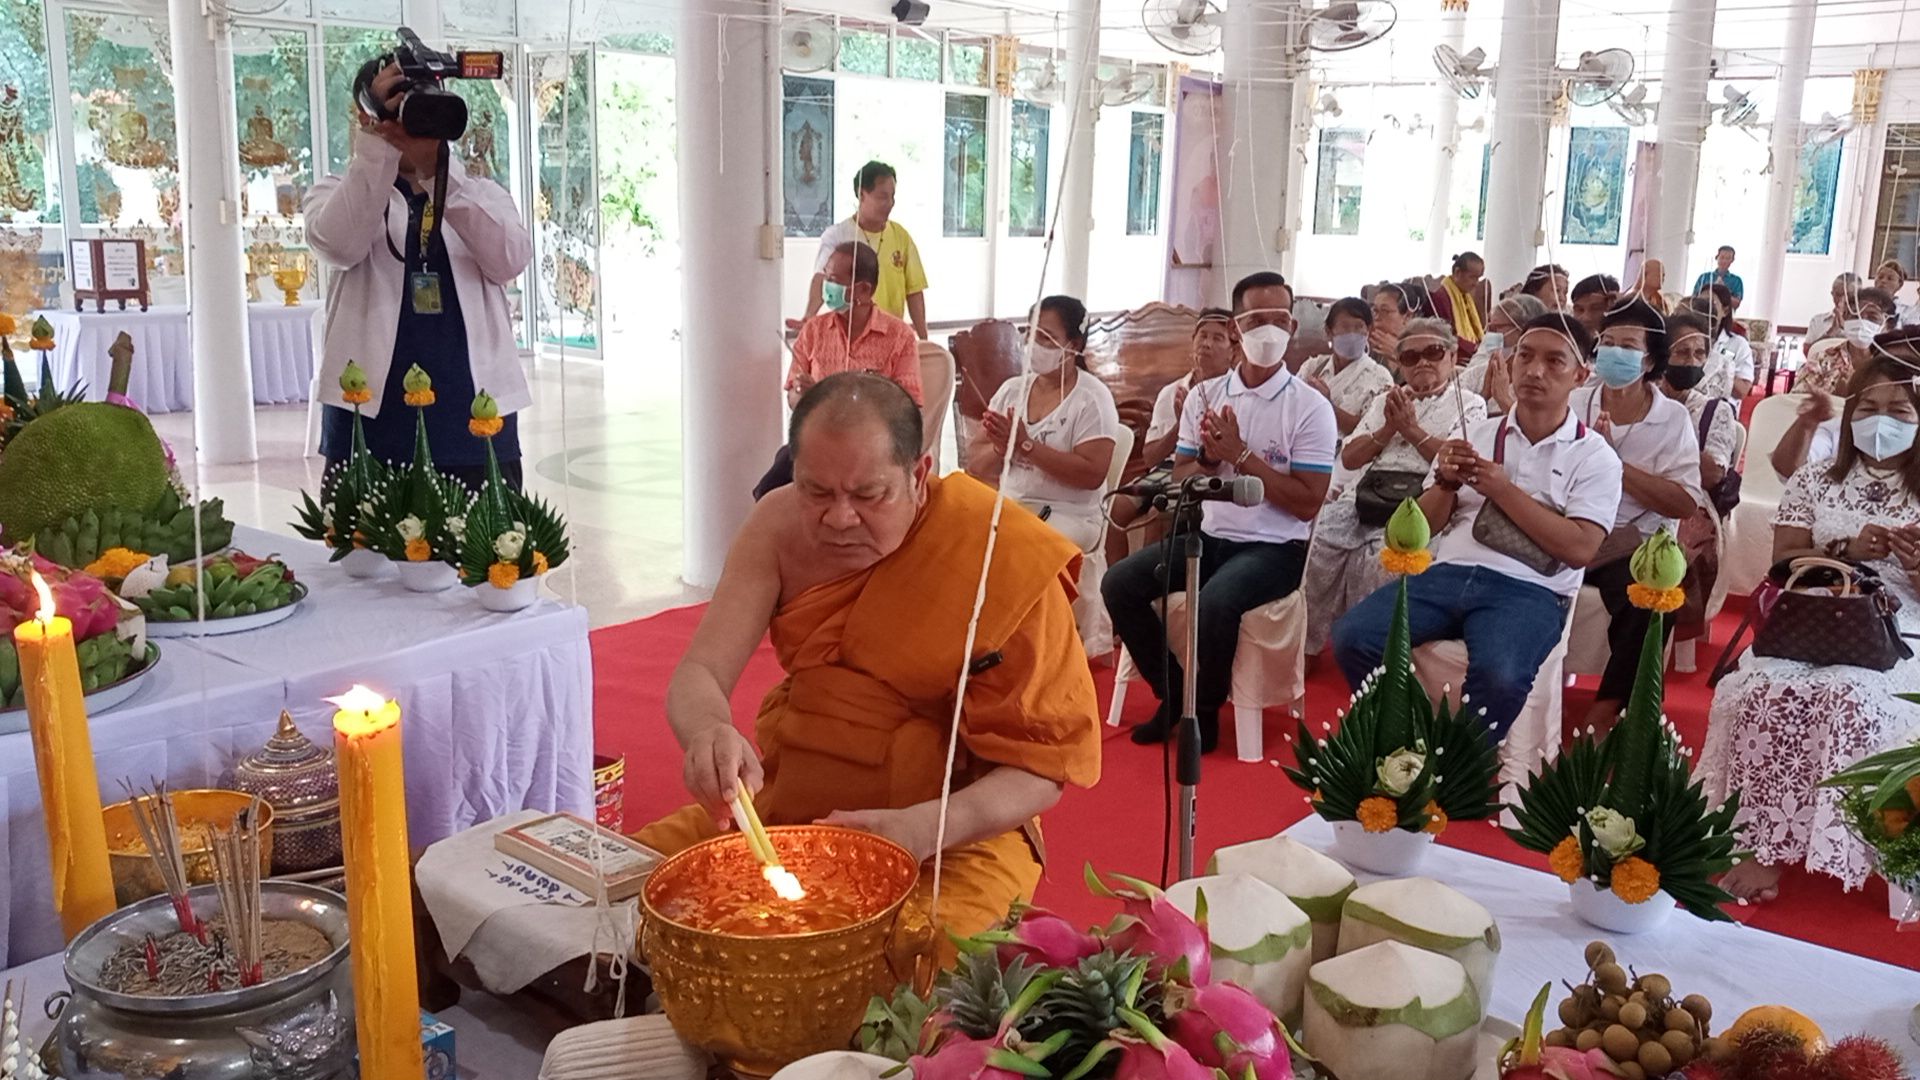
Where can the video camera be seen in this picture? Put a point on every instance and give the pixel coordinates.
(428, 110)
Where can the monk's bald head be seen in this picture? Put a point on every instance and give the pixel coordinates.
(845, 401)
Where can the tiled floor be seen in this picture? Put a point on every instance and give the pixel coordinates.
(602, 444)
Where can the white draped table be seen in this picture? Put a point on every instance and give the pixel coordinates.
(282, 347)
(498, 713)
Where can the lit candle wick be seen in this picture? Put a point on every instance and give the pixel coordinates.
(47, 608)
(785, 885)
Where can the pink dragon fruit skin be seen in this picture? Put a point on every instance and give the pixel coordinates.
(1154, 927)
(1565, 1063)
(1046, 939)
(961, 1058)
(78, 597)
(1225, 1027)
(1141, 1060)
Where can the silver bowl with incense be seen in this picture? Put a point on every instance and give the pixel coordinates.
(297, 1026)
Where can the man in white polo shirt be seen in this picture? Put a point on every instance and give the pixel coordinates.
(1257, 420)
(1519, 508)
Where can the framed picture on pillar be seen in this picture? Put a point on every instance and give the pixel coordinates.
(1596, 185)
(806, 149)
(1813, 198)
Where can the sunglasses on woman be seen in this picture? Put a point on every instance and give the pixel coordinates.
(1432, 354)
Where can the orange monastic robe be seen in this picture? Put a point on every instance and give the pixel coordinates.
(872, 660)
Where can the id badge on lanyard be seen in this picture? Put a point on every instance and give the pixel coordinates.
(423, 286)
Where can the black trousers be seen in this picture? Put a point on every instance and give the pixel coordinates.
(1627, 631)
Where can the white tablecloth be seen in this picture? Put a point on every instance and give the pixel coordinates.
(282, 347)
(498, 713)
(1734, 966)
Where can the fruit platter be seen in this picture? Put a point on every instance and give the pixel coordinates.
(236, 591)
(110, 636)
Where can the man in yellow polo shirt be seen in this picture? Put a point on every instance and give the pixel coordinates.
(902, 280)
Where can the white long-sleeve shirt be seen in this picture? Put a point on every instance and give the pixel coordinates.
(352, 219)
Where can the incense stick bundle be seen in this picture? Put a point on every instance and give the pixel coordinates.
(236, 860)
(159, 826)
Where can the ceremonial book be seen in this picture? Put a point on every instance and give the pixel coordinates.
(562, 845)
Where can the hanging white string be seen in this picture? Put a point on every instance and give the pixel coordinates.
(559, 300)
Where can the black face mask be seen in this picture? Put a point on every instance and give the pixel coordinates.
(1685, 378)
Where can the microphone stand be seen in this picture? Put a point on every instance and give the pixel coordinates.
(1188, 513)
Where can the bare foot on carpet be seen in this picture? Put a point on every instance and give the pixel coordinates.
(1752, 882)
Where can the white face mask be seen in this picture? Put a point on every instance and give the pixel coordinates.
(1046, 359)
(1860, 331)
(1882, 437)
(1265, 346)
(1492, 342)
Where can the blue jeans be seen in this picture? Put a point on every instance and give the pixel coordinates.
(1509, 626)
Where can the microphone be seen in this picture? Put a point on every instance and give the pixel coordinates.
(1239, 490)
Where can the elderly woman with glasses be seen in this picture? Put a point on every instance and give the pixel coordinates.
(1389, 452)
(1487, 375)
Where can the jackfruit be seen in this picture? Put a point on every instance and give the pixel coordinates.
(86, 456)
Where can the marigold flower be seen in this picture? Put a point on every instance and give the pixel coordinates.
(1566, 861)
(1635, 880)
(419, 550)
(1436, 819)
(486, 429)
(539, 564)
(8, 326)
(419, 399)
(116, 563)
(503, 575)
(356, 397)
(1378, 814)
(1660, 600)
(1405, 562)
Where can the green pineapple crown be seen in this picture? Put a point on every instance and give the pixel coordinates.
(978, 992)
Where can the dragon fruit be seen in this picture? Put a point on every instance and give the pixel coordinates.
(1225, 1027)
(1040, 937)
(1003, 1056)
(1146, 1053)
(1151, 925)
(1529, 1059)
(78, 597)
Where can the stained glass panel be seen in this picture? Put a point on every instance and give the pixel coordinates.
(965, 167)
(1143, 174)
(1338, 185)
(807, 155)
(1027, 171)
(1814, 197)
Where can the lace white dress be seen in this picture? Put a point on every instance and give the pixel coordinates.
(1779, 727)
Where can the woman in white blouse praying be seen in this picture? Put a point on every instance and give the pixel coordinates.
(1349, 378)
(1660, 477)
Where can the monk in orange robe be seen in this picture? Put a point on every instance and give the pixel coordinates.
(864, 572)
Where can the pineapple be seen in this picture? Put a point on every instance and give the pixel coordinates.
(1088, 998)
(977, 993)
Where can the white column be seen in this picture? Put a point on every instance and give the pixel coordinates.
(729, 360)
(1446, 138)
(1763, 298)
(428, 19)
(1076, 186)
(1682, 126)
(216, 269)
(1523, 93)
(1259, 102)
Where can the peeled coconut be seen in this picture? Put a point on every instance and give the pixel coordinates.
(1390, 1011)
(1426, 915)
(1314, 882)
(843, 1065)
(1260, 940)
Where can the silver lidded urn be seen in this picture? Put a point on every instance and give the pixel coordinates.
(297, 778)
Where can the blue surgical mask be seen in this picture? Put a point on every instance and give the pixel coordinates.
(1882, 437)
(833, 296)
(1350, 346)
(1492, 342)
(1619, 367)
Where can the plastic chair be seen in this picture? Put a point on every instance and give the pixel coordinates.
(1441, 667)
(936, 389)
(1089, 609)
(1751, 551)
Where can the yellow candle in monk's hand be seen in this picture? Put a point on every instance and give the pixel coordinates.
(373, 833)
(63, 756)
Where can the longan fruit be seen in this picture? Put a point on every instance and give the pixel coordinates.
(1611, 978)
(1588, 997)
(1680, 1045)
(1559, 1037)
(1571, 1014)
(1698, 1006)
(1631, 1070)
(1599, 952)
(1610, 1009)
(1655, 1059)
(1620, 1043)
(1633, 1015)
(1657, 986)
(1681, 1020)
(1586, 1040)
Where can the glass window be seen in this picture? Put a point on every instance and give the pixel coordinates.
(900, 124)
(863, 52)
(343, 49)
(391, 13)
(479, 17)
(31, 265)
(965, 206)
(969, 62)
(806, 142)
(118, 68)
(1336, 194)
(1027, 174)
(1143, 174)
(487, 147)
(1813, 198)
(915, 57)
(566, 237)
(275, 118)
(650, 42)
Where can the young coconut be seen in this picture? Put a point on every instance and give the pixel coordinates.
(1427, 915)
(1314, 882)
(1261, 941)
(1392, 1012)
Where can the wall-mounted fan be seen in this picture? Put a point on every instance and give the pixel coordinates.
(1188, 27)
(1599, 77)
(1328, 105)
(1349, 24)
(1738, 109)
(1466, 74)
(808, 44)
(1633, 106)
(1039, 83)
(1127, 87)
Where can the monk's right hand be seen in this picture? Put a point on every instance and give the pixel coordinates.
(719, 760)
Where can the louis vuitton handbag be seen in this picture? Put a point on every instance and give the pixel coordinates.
(1821, 611)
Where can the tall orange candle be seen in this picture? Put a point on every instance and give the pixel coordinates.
(373, 832)
(63, 756)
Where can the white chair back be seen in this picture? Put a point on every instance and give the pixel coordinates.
(936, 390)
(1122, 450)
(1771, 419)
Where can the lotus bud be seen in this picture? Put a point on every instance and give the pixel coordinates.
(42, 330)
(354, 377)
(484, 407)
(1398, 770)
(1658, 563)
(416, 380)
(1407, 529)
(1614, 832)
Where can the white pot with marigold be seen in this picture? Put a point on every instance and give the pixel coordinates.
(510, 539)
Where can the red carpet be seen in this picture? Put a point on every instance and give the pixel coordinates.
(1117, 825)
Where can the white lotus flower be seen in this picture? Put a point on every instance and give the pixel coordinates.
(457, 526)
(411, 528)
(509, 544)
(1614, 832)
(1399, 770)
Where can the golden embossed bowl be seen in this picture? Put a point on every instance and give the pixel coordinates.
(199, 810)
(758, 981)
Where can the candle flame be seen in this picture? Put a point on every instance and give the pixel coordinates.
(785, 885)
(359, 699)
(45, 614)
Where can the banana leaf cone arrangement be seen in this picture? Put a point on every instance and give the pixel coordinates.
(1880, 797)
(509, 535)
(349, 490)
(1623, 810)
(1397, 760)
(420, 515)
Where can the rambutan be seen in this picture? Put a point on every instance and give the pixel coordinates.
(1862, 1057)
(1770, 1054)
